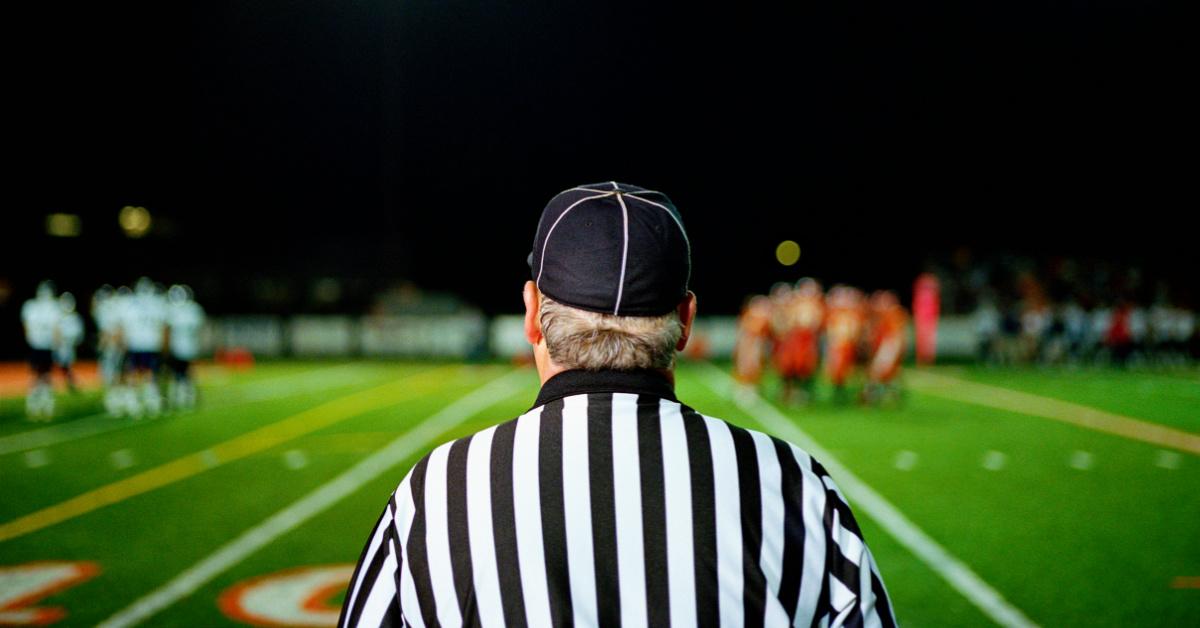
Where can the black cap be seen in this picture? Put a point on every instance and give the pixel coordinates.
(612, 248)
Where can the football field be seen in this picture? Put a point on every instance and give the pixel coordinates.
(1020, 496)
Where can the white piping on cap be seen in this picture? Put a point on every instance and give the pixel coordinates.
(624, 248)
(669, 213)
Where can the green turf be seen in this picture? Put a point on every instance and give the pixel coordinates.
(1060, 543)
(1171, 398)
(1067, 546)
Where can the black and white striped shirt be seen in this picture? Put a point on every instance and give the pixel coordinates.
(611, 504)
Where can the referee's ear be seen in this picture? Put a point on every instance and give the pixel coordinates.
(687, 316)
(533, 319)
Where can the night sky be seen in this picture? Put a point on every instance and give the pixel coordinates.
(378, 140)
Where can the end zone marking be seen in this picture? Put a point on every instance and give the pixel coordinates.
(957, 389)
(937, 558)
(312, 504)
(241, 446)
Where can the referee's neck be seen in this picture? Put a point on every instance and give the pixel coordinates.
(652, 382)
(547, 369)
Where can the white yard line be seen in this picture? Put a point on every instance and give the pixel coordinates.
(318, 500)
(292, 384)
(957, 389)
(867, 500)
(273, 388)
(55, 434)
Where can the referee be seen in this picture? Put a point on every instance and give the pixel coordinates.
(611, 503)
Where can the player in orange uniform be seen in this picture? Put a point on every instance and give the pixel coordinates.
(843, 328)
(888, 322)
(797, 351)
(753, 337)
(782, 296)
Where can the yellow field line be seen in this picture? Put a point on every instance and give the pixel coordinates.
(957, 389)
(241, 446)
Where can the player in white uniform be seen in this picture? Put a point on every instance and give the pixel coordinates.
(143, 329)
(70, 334)
(104, 314)
(119, 398)
(39, 316)
(185, 317)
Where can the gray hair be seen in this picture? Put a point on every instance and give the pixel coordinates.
(579, 339)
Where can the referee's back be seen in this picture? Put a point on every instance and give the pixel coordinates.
(612, 504)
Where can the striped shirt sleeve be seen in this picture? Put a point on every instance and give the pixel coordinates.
(372, 599)
(852, 592)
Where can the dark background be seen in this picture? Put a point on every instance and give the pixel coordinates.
(276, 143)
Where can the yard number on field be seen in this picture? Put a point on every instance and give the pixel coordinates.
(22, 586)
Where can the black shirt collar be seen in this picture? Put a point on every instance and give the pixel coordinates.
(579, 382)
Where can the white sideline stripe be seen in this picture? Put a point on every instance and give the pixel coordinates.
(957, 389)
(279, 387)
(55, 434)
(312, 504)
(950, 568)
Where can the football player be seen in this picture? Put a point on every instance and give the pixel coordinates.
(843, 329)
(185, 317)
(143, 328)
(70, 334)
(886, 342)
(39, 317)
(752, 344)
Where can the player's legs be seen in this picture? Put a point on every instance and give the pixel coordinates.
(65, 359)
(39, 403)
(181, 390)
(806, 367)
(882, 371)
(151, 396)
(134, 377)
(841, 363)
(748, 366)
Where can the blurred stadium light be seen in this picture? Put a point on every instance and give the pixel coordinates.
(788, 253)
(63, 225)
(134, 221)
